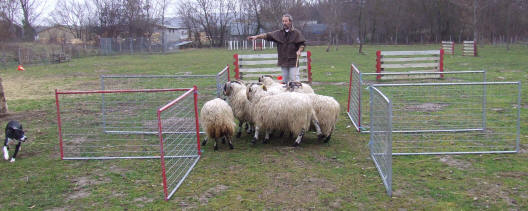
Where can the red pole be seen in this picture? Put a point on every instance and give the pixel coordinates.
(441, 62)
(228, 74)
(309, 60)
(196, 117)
(350, 88)
(59, 124)
(378, 64)
(162, 157)
(359, 102)
(237, 74)
(453, 48)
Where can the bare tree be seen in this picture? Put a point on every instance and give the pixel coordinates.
(162, 6)
(332, 16)
(72, 15)
(31, 11)
(8, 13)
(211, 16)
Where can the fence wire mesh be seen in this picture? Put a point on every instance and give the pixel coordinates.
(179, 138)
(221, 78)
(206, 83)
(210, 86)
(125, 128)
(358, 106)
(380, 144)
(454, 118)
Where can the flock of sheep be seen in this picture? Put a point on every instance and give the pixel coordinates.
(269, 106)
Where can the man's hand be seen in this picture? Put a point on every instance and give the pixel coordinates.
(298, 53)
(252, 37)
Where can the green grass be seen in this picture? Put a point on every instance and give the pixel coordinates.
(338, 175)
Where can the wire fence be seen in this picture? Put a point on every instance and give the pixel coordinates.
(134, 45)
(442, 118)
(380, 144)
(180, 140)
(358, 97)
(12, 55)
(454, 118)
(124, 127)
(221, 78)
(210, 86)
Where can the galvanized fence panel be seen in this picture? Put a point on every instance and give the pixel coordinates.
(179, 139)
(354, 97)
(221, 78)
(380, 144)
(454, 118)
(210, 86)
(358, 109)
(127, 129)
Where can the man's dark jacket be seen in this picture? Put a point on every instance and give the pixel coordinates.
(287, 45)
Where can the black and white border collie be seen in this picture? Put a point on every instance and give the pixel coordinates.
(13, 133)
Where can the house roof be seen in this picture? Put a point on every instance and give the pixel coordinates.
(174, 22)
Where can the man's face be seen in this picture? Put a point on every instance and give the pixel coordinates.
(286, 23)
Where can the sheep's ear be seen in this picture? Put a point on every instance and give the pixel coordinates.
(264, 88)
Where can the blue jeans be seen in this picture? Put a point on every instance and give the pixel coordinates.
(290, 74)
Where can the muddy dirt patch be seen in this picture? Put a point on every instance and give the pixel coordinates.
(456, 163)
(485, 194)
(287, 188)
(212, 192)
(24, 116)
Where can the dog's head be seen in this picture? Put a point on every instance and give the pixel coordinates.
(292, 85)
(15, 131)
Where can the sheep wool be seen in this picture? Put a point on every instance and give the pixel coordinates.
(288, 112)
(216, 117)
(236, 95)
(327, 111)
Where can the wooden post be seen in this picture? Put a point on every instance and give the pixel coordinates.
(309, 64)
(237, 67)
(3, 102)
(378, 64)
(475, 48)
(441, 63)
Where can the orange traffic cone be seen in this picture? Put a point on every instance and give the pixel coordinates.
(20, 68)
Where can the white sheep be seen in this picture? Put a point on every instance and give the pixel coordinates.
(271, 85)
(236, 97)
(267, 80)
(216, 117)
(292, 112)
(326, 109)
(296, 86)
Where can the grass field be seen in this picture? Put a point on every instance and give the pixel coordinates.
(338, 175)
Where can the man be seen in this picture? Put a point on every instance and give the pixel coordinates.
(290, 44)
